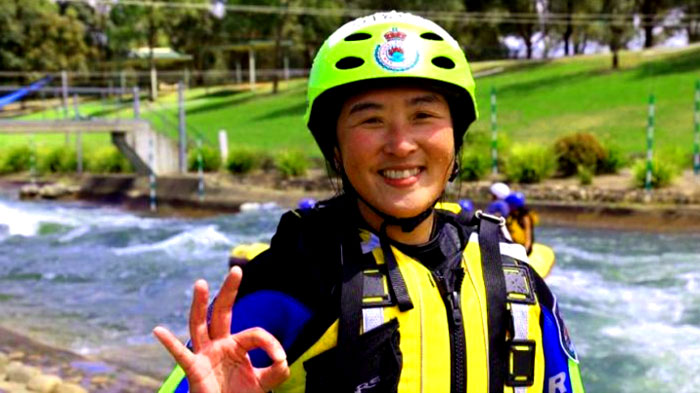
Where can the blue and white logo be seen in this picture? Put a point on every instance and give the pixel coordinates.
(397, 53)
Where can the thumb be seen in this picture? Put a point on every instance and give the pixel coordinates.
(274, 375)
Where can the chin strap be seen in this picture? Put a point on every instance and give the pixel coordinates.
(407, 224)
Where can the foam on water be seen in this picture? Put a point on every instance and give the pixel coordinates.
(199, 237)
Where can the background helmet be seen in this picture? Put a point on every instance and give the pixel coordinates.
(500, 190)
(383, 50)
(306, 203)
(516, 200)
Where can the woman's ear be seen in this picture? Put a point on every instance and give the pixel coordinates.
(337, 161)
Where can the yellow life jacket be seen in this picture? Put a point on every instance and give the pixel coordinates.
(516, 230)
(424, 332)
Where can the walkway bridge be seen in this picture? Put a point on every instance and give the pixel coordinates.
(133, 137)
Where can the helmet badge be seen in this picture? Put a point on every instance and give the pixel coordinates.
(397, 53)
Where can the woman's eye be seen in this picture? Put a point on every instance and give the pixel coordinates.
(423, 115)
(372, 121)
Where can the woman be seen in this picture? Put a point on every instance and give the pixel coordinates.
(376, 290)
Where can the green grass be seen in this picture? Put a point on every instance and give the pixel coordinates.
(538, 101)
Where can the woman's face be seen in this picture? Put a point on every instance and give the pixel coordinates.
(396, 146)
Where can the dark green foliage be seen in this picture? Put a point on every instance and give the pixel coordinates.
(59, 159)
(662, 173)
(292, 163)
(211, 159)
(474, 166)
(243, 160)
(613, 161)
(15, 159)
(109, 160)
(578, 149)
(530, 164)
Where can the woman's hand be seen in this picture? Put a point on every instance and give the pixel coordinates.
(220, 361)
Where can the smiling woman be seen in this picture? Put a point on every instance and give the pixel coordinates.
(370, 291)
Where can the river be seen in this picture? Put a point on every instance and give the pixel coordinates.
(96, 280)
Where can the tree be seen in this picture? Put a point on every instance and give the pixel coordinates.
(525, 29)
(620, 27)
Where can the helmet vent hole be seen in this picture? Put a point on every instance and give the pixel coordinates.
(443, 62)
(349, 62)
(431, 36)
(358, 37)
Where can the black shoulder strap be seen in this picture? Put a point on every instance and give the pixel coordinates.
(489, 235)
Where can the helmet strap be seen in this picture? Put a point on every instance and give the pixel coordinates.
(406, 224)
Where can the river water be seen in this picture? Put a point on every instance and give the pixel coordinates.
(96, 280)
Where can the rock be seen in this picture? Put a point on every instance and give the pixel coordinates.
(66, 387)
(4, 360)
(44, 383)
(53, 191)
(13, 387)
(17, 355)
(99, 380)
(29, 191)
(20, 373)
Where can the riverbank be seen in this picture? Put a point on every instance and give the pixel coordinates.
(610, 202)
(28, 366)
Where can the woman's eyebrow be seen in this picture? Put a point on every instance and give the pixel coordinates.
(423, 99)
(364, 105)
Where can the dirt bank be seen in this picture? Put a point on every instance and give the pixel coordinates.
(610, 202)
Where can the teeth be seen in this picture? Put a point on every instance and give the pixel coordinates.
(400, 174)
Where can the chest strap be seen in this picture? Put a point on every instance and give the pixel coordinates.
(494, 281)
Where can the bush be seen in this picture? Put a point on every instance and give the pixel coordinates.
(16, 159)
(242, 161)
(211, 159)
(578, 149)
(585, 175)
(292, 164)
(530, 164)
(60, 159)
(662, 173)
(613, 161)
(108, 160)
(474, 166)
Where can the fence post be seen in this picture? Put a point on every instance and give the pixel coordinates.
(239, 73)
(696, 144)
(251, 68)
(223, 146)
(494, 133)
(650, 143)
(152, 173)
(200, 170)
(181, 127)
(137, 103)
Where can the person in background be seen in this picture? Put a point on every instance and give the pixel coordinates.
(498, 207)
(521, 221)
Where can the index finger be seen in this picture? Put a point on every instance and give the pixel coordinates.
(220, 325)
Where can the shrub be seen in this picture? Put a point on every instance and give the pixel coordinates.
(211, 159)
(16, 159)
(613, 161)
(530, 164)
(578, 149)
(662, 173)
(585, 175)
(474, 166)
(108, 160)
(60, 159)
(242, 161)
(292, 163)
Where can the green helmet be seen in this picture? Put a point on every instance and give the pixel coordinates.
(381, 50)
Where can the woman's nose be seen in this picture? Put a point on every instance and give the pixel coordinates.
(399, 139)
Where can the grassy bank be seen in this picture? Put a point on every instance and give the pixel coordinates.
(538, 101)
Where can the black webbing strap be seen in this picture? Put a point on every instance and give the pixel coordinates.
(396, 282)
(350, 321)
(496, 302)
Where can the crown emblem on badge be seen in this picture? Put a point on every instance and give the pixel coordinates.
(397, 53)
(394, 34)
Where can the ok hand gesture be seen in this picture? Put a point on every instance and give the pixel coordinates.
(220, 361)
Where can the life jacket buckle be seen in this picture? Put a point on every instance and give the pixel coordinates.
(521, 365)
(519, 287)
(501, 221)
